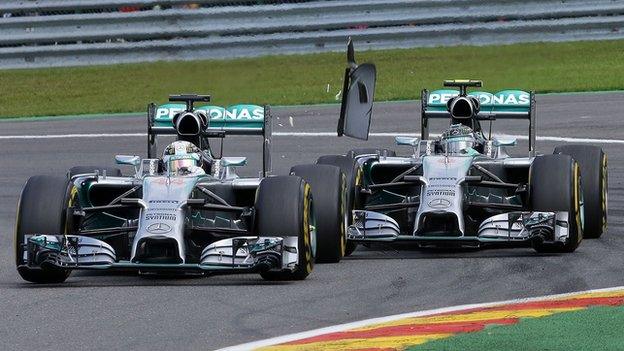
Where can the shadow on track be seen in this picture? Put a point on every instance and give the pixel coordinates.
(402, 251)
(86, 279)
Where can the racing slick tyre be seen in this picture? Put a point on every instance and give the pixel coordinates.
(284, 208)
(363, 151)
(593, 164)
(353, 177)
(555, 185)
(329, 197)
(41, 210)
(110, 171)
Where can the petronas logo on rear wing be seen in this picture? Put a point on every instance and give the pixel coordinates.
(492, 105)
(234, 116)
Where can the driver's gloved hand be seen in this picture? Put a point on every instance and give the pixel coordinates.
(207, 165)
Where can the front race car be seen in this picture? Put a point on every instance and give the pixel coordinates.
(188, 212)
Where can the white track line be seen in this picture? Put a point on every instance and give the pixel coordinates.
(360, 324)
(306, 134)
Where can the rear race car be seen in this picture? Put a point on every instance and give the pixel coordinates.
(186, 212)
(462, 188)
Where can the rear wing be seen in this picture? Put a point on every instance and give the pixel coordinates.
(242, 119)
(505, 104)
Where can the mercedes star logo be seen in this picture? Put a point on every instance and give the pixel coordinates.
(439, 203)
(159, 228)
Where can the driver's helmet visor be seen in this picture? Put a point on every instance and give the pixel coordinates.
(176, 164)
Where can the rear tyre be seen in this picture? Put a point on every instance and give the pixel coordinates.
(329, 196)
(555, 185)
(41, 210)
(353, 177)
(110, 171)
(284, 208)
(593, 165)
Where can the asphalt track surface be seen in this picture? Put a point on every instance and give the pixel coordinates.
(103, 312)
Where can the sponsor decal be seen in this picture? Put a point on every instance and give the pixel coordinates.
(439, 203)
(441, 186)
(505, 97)
(158, 216)
(443, 178)
(216, 113)
(446, 160)
(449, 193)
(158, 228)
(164, 201)
(167, 180)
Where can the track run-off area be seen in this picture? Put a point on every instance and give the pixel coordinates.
(410, 331)
(101, 311)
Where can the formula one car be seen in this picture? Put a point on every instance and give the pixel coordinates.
(186, 212)
(463, 188)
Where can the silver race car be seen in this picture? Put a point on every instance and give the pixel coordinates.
(462, 188)
(185, 212)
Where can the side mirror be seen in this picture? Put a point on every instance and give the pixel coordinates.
(504, 142)
(357, 97)
(407, 141)
(128, 160)
(234, 161)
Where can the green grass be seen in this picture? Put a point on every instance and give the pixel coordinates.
(303, 79)
(596, 328)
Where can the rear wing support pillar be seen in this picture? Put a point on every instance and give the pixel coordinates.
(532, 126)
(424, 121)
(152, 146)
(267, 134)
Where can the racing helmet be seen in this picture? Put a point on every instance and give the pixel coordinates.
(457, 139)
(181, 156)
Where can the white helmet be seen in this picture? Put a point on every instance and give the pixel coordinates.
(181, 156)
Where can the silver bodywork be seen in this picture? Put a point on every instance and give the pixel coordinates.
(442, 192)
(163, 216)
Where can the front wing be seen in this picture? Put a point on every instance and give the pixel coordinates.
(228, 256)
(512, 227)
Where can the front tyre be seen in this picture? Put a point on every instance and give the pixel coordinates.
(41, 210)
(353, 182)
(284, 208)
(593, 165)
(555, 186)
(329, 195)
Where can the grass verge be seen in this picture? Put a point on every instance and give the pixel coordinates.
(316, 78)
(596, 328)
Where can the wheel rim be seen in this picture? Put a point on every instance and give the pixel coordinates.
(312, 230)
(582, 209)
